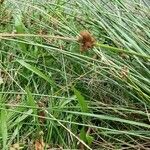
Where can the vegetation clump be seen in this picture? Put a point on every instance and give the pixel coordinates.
(60, 91)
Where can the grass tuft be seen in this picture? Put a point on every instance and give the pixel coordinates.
(75, 74)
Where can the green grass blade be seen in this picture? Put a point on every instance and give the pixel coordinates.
(36, 71)
(81, 100)
(30, 101)
(20, 28)
(3, 125)
(111, 118)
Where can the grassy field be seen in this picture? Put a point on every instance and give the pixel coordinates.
(59, 92)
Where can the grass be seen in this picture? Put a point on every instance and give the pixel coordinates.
(55, 96)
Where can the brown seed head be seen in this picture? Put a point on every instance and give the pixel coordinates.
(86, 41)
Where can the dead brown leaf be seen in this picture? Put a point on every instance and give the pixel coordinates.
(39, 145)
(39, 142)
(15, 146)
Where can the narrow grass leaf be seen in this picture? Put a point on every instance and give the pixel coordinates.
(15, 133)
(36, 71)
(21, 118)
(83, 135)
(20, 28)
(89, 139)
(30, 100)
(81, 100)
(3, 125)
(111, 118)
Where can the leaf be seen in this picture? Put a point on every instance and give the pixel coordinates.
(81, 100)
(111, 118)
(36, 71)
(3, 125)
(39, 145)
(30, 100)
(20, 28)
(83, 138)
(14, 134)
(15, 146)
(1, 80)
(83, 134)
(89, 139)
(21, 118)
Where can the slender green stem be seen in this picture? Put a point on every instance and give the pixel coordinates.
(120, 50)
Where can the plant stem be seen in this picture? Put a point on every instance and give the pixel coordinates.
(116, 50)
